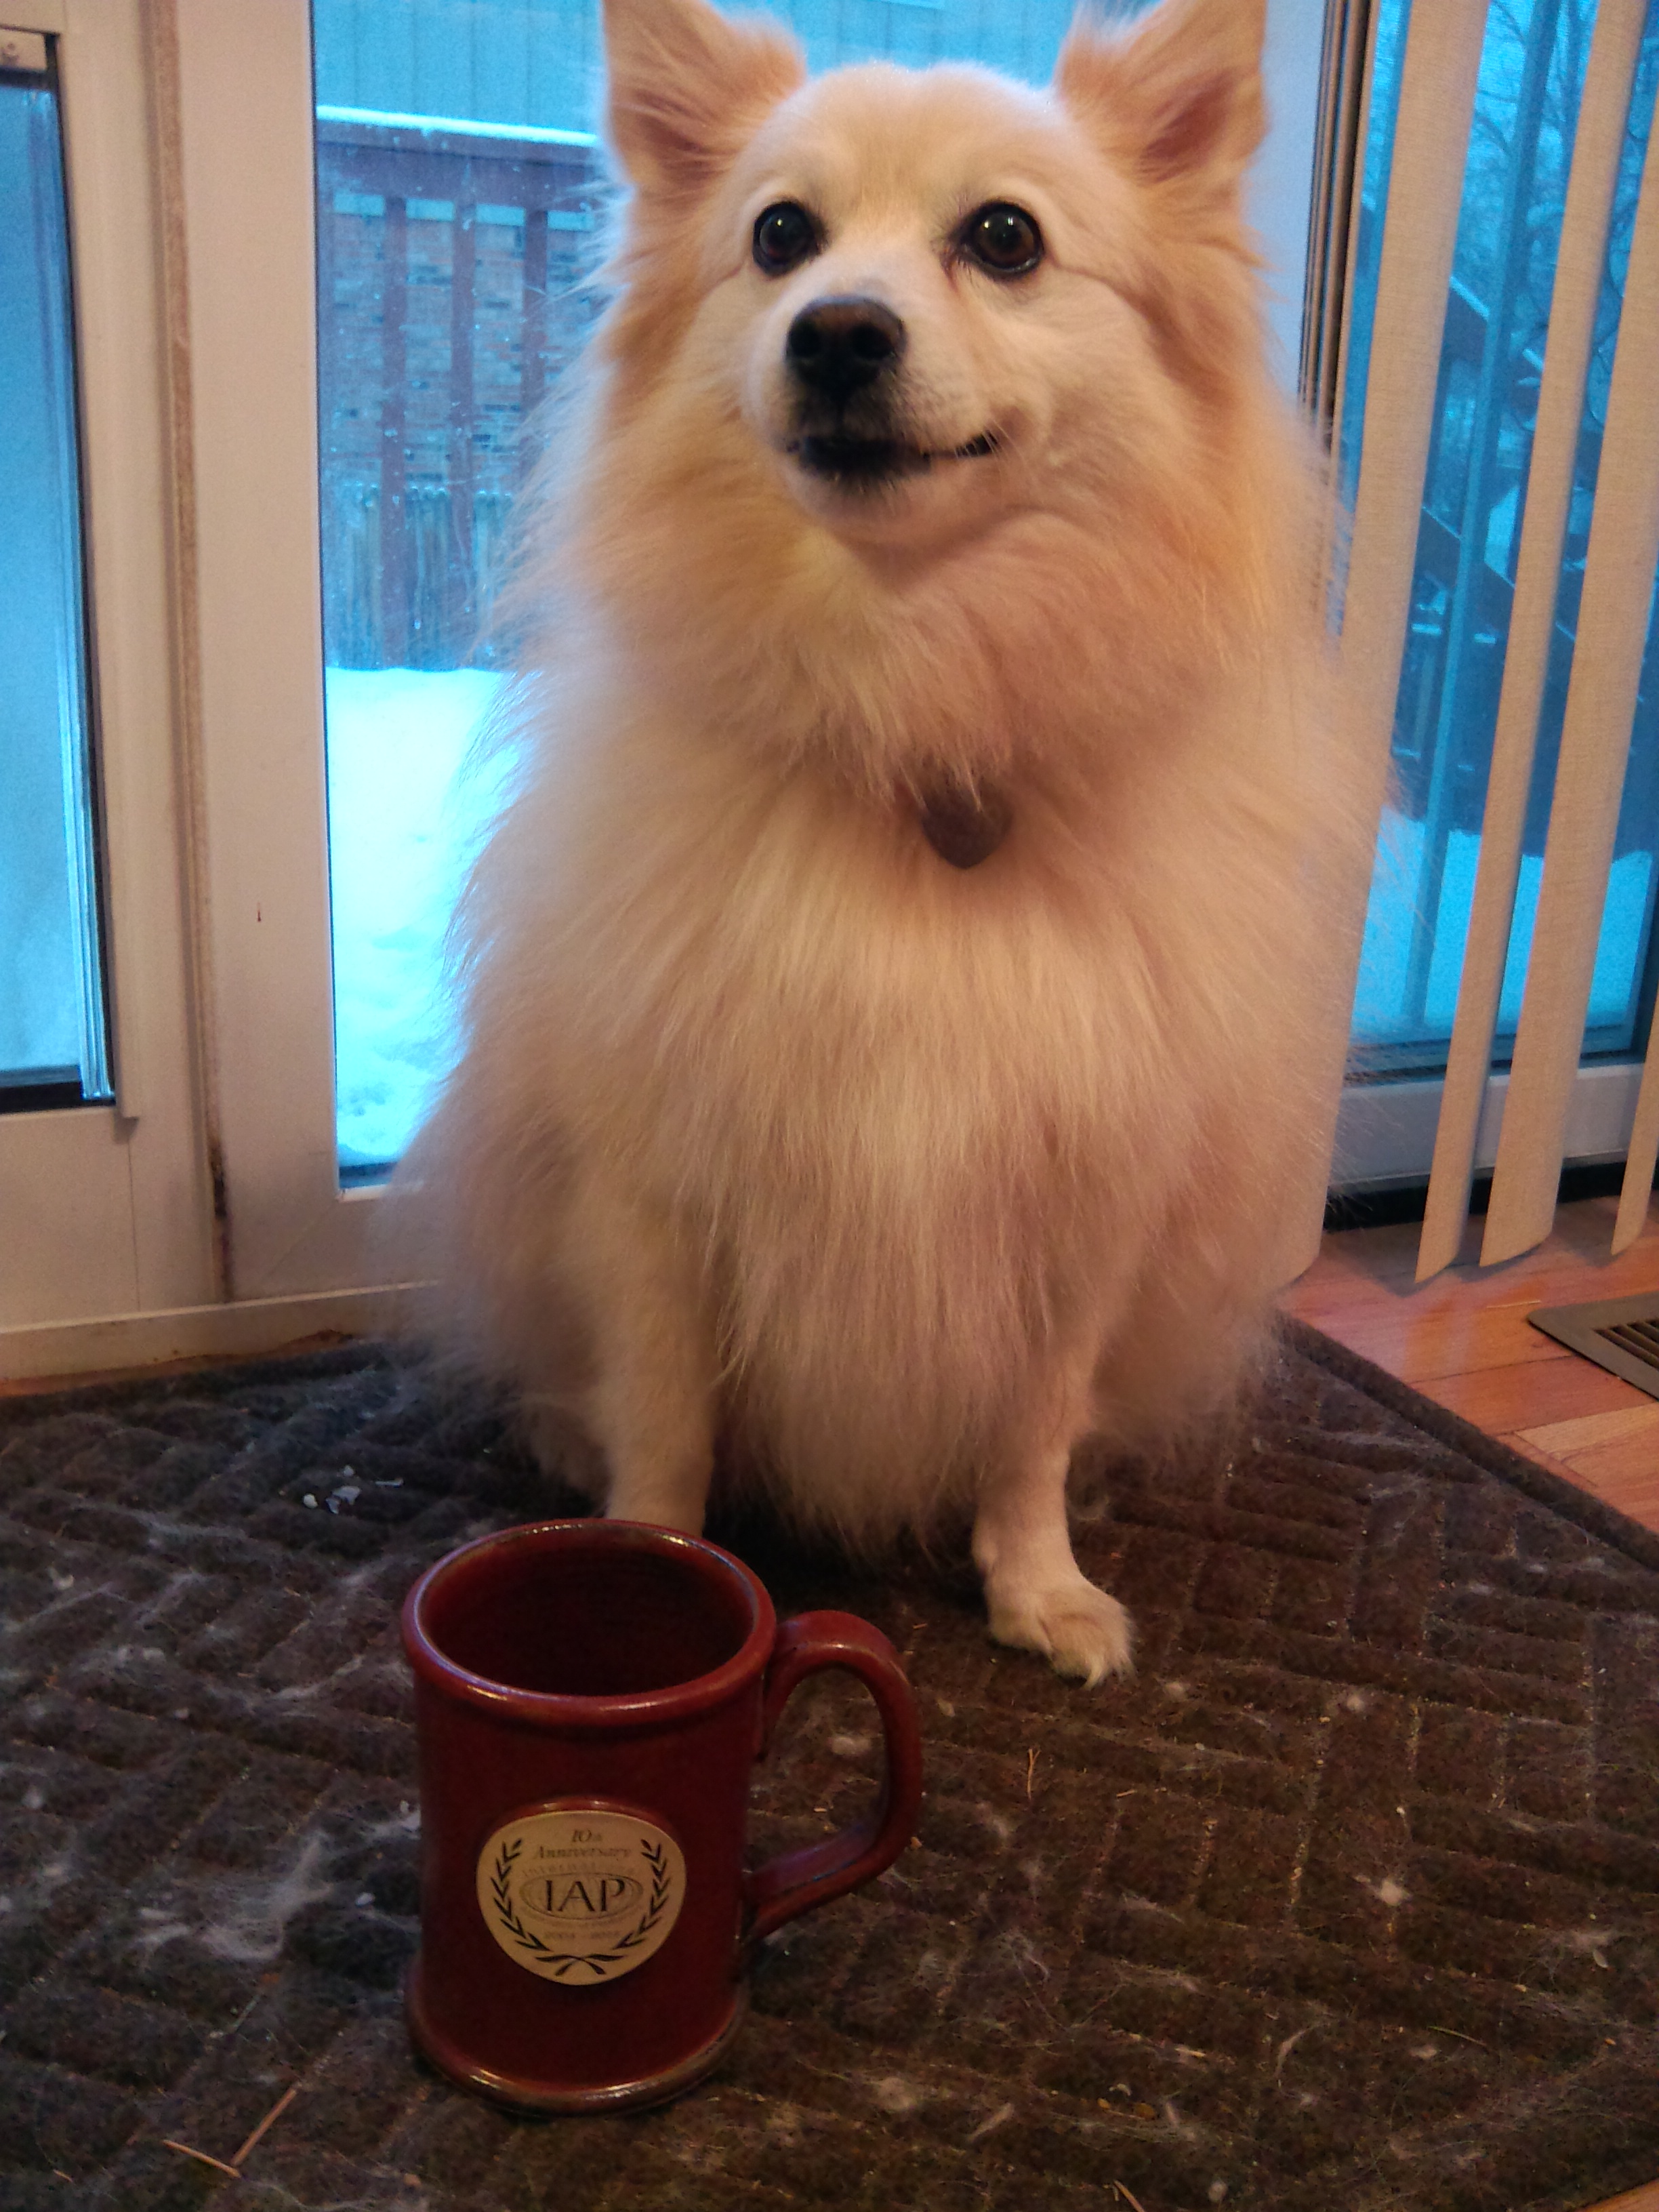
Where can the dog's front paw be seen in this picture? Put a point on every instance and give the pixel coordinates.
(1073, 1625)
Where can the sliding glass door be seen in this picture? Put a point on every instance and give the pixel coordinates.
(106, 1184)
(459, 189)
(1498, 324)
(54, 1039)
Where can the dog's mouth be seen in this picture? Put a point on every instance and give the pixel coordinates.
(866, 463)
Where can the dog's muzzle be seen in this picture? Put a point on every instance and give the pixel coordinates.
(843, 355)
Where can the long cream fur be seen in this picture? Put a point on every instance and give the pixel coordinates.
(770, 1126)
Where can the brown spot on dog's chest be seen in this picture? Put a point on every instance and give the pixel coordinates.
(963, 826)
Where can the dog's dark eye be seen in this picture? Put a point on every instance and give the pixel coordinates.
(785, 234)
(1003, 238)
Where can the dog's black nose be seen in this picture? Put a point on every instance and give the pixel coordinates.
(837, 347)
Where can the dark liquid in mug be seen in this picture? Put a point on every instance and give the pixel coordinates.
(589, 1625)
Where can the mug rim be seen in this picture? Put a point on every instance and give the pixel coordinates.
(674, 1701)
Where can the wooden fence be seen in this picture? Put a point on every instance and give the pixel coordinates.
(449, 289)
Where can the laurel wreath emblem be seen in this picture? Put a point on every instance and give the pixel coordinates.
(562, 1962)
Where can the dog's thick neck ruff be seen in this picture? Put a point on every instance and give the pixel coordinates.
(963, 826)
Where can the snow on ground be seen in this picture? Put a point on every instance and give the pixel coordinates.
(1380, 1012)
(405, 819)
(405, 816)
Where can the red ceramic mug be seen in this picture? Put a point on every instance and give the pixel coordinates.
(591, 1696)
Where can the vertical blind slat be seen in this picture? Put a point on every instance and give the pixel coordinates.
(1606, 666)
(1597, 146)
(1438, 78)
(1644, 1152)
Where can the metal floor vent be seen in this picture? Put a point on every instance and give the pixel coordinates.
(1621, 1334)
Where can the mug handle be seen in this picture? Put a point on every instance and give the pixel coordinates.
(801, 1880)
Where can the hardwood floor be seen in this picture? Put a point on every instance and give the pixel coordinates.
(1464, 1338)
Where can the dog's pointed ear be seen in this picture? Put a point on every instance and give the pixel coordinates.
(687, 86)
(1178, 92)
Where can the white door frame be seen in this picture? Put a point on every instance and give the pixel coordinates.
(108, 1210)
(246, 127)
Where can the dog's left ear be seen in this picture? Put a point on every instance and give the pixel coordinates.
(687, 87)
(1178, 94)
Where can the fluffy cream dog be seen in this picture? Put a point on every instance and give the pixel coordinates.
(885, 991)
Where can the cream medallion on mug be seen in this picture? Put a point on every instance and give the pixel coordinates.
(580, 1893)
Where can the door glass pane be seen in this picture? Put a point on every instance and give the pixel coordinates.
(1531, 75)
(52, 1034)
(459, 184)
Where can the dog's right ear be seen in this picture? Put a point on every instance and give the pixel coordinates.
(687, 87)
(1177, 91)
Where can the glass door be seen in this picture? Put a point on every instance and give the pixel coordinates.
(391, 214)
(1527, 104)
(459, 184)
(452, 250)
(106, 1182)
(54, 1040)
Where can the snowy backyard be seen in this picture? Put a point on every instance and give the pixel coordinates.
(1380, 1013)
(405, 819)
